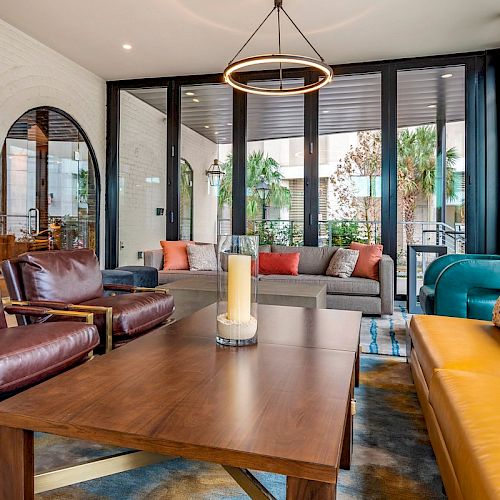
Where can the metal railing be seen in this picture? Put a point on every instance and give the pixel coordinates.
(343, 232)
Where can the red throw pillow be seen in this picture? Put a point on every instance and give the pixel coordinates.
(368, 260)
(175, 255)
(279, 263)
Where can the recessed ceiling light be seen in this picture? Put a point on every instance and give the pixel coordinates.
(207, 126)
(216, 133)
(447, 75)
(224, 138)
(190, 93)
(326, 111)
(127, 46)
(431, 106)
(196, 100)
(229, 124)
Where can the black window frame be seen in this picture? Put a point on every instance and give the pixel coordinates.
(483, 234)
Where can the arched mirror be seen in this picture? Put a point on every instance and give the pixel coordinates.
(49, 185)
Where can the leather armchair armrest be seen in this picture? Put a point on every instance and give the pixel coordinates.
(436, 267)
(41, 312)
(455, 281)
(118, 287)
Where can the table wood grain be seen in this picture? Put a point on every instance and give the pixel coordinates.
(281, 408)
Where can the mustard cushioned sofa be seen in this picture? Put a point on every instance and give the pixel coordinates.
(455, 364)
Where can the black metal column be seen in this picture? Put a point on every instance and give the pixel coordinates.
(173, 159)
(492, 136)
(311, 158)
(389, 161)
(239, 162)
(112, 172)
(441, 173)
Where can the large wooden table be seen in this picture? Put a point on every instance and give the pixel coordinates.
(283, 405)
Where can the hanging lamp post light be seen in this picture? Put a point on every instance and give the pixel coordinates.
(325, 71)
(215, 173)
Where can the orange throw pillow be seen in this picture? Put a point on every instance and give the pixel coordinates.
(368, 260)
(279, 263)
(175, 255)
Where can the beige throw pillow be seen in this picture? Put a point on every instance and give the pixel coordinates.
(342, 263)
(496, 313)
(202, 258)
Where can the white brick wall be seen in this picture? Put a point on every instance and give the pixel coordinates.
(200, 153)
(32, 75)
(143, 143)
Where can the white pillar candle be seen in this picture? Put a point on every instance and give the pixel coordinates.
(239, 288)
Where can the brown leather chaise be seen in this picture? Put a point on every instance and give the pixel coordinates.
(30, 354)
(72, 280)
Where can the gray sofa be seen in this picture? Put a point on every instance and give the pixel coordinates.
(359, 294)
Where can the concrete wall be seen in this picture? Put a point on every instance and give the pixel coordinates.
(33, 75)
(143, 160)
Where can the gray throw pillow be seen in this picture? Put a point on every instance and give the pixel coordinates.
(202, 258)
(342, 263)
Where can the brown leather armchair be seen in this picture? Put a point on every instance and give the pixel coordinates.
(30, 354)
(71, 280)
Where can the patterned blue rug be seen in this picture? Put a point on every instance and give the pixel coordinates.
(392, 455)
(385, 335)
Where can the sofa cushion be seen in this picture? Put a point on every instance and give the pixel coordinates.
(455, 343)
(134, 313)
(313, 260)
(342, 263)
(479, 303)
(279, 263)
(368, 260)
(71, 276)
(175, 255)
(340, 286)
(165, 277)
(202, 257)
(30, 354)
(466, 407)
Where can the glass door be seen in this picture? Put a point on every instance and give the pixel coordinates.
(431, 165)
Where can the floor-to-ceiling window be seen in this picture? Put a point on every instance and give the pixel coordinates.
(142, 172)
(430, 164)
(49, 193)
(350, 160)
(275, 166)
(387, 163)
(205, 136)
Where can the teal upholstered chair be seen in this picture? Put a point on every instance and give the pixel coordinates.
(464, 286)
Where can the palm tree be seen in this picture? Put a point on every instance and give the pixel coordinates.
(258, 167)
(417, 171)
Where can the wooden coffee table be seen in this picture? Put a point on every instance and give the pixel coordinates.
(193, 294)
(282, 406)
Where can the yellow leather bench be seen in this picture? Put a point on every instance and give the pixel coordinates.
(467, 408)
(449, 356)
(455, 343)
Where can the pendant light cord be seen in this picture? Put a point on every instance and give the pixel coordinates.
(279, 47)
(302, 34)
(253, 34)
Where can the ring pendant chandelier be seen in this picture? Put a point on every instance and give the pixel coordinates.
(325, 71)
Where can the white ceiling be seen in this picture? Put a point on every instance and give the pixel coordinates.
(178, 37)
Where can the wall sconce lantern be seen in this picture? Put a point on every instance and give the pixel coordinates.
(215, 173)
